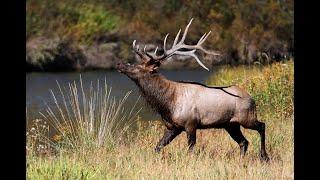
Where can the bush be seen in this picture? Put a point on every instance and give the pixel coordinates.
(271, 86)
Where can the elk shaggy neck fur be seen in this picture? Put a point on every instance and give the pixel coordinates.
(159, 93)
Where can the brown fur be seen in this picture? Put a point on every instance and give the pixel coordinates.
(158, 93)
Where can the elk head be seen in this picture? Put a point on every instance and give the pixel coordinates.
(149, 62)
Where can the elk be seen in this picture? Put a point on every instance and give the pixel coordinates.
(188, 106)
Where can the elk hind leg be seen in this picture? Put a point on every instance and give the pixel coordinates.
(234, 131)
(260, 127)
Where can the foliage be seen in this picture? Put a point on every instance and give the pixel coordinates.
(238, 26)
(78, 21)
(271, 86)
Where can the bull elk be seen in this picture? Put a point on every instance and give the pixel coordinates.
(188, 106)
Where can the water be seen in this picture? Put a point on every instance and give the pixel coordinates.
(39, 84)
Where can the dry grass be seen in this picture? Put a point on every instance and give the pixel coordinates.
(216, 155)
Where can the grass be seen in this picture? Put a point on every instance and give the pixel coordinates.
(216, 155)
(81, 119)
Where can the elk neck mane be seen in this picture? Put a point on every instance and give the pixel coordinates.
(158, 92)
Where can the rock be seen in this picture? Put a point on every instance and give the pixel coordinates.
(102, 56)
(63, 55)
(53, 55)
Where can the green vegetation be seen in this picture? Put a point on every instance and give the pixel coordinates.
(130, 154)
(271, 86)
(241, 30)
(71, 19)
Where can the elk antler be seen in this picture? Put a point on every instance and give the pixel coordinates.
(137, 50)
(177, 46)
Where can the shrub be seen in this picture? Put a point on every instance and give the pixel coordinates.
(271, 86)
(84, 118)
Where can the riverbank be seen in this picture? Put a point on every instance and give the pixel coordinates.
(49, 55)
(131, 155)
(62, 55)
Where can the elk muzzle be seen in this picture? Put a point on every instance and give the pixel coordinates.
(123, 67)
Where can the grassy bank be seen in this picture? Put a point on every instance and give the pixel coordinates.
(131, 155)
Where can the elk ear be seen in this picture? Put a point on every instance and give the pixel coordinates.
(153, 64)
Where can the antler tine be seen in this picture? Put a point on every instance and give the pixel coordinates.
(155, 51)
(144, 49)
(208, 52)
(199, 62)
(201, 41)
(203, 38)
(164, 43)
(176, 38)
(134, 43)
(192, 54)
(185, 32)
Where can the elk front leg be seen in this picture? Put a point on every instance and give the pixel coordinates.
(191, 135)
(168, 136)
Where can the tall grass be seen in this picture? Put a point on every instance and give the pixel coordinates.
(83, 118)
(216, 155)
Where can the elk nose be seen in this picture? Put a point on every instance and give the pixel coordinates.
(118, 66)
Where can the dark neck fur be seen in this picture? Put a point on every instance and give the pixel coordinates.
(158, 92)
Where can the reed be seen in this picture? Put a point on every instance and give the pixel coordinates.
(82, 118)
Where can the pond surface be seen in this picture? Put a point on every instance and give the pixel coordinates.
(39, 84)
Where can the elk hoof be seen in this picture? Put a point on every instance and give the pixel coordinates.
(157, 149)
(264, 158)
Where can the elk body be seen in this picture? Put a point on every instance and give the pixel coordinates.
(188, 106)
